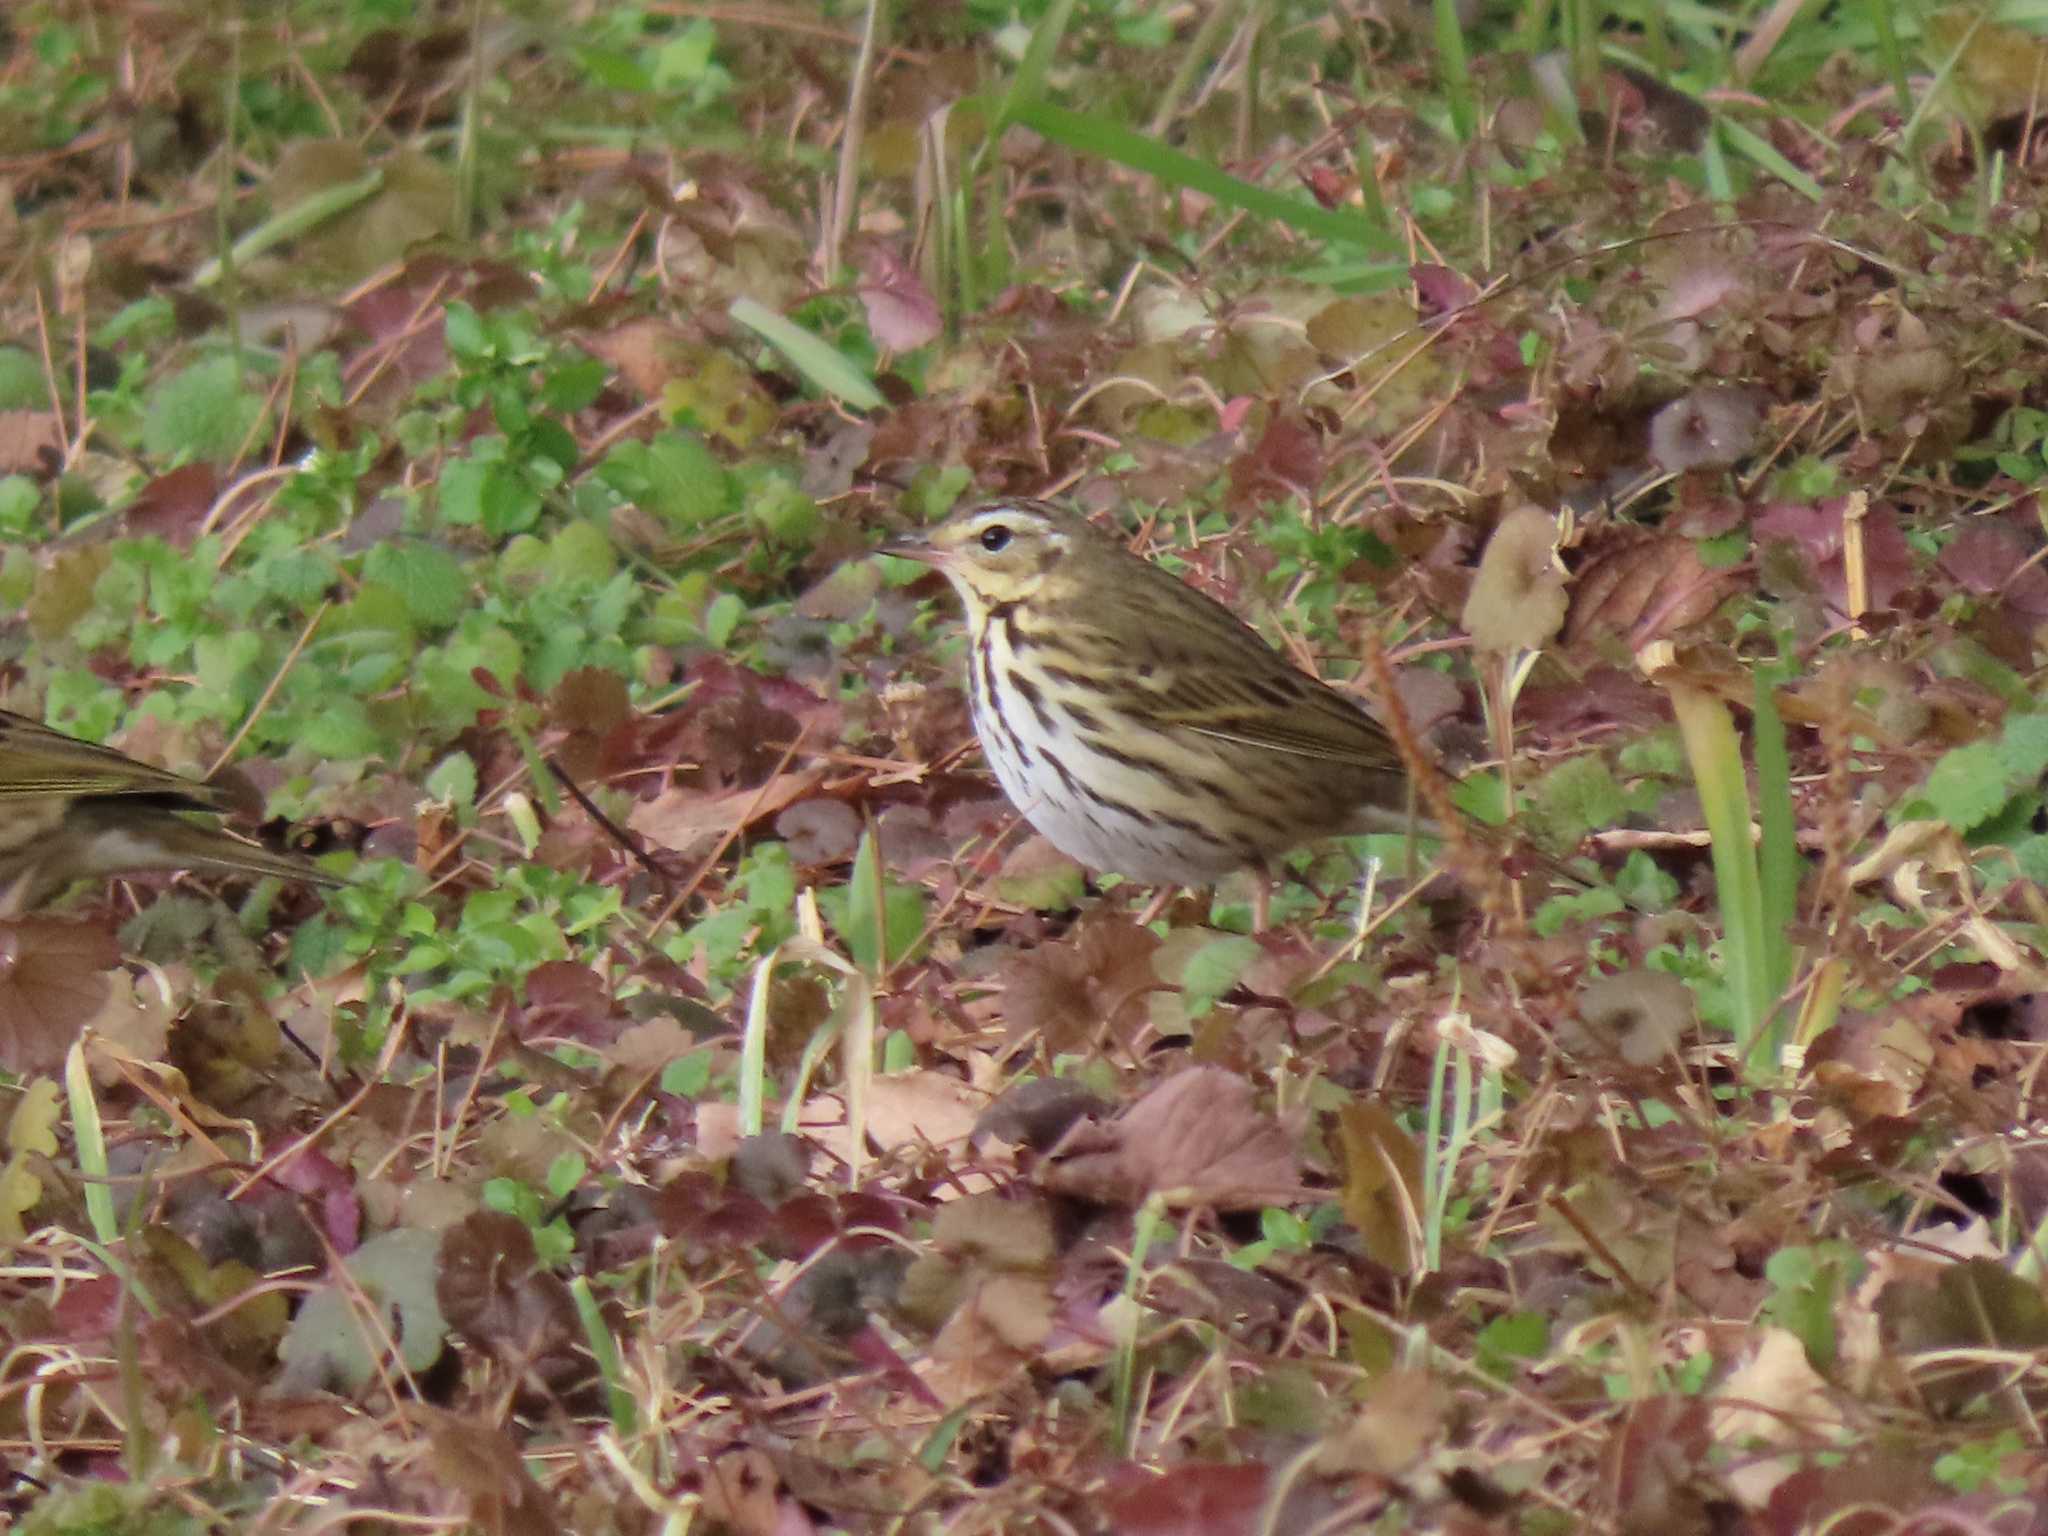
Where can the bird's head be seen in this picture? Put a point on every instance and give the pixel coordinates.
(1002, 552)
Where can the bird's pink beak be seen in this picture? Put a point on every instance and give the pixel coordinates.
(914, 546)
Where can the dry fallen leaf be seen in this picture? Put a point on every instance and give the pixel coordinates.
(1518, 598)
(1195, 1140)
(689, 821)
(1067, 993)
(54, 977)
(1655, 586)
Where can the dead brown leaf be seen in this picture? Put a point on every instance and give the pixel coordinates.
(1067, 993)
(1382, 1183)
(53, 980)
(1646, 589)
(479, 1460)
(690, 821)
(1197, 1139)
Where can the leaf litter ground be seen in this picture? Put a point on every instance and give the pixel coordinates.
(706, 1104)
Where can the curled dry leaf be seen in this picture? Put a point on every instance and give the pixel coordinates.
(1402, 1413)
(1518, 599)
(742, 1492)
(1708, 428)
(901, 311)
(1195, 1140)
(30, 442)
(1650, 588)
(999, 1322)
(689, 822)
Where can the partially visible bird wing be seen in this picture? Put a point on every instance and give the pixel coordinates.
(37, 761)
(1282, 710)
(1198, 666)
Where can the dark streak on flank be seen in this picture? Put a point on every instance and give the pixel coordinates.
(1073, 785)
(1033, 695)
(1018, 746)
(1176, 781)
(1066, 675)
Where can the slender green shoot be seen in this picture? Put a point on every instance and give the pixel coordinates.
(604, 1349)
(1715, 753)
(1097, 136)
(1454, 71)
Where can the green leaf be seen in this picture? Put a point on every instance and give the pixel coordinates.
(453, 781)
(1098, 136)
(2023, 748)
(851, 908)
(1968, 785)
(1214, 969)
(675, 476)
(1515, 1336)
(201, 412)
(823, 366)
(687, 1076)
(395, 1272)
(427, 579)
(721, 618)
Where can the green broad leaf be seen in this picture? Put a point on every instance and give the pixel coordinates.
(1214, 969)
(201, 412)
(453, 781)
(1968, 785)
(342, 730)
(687, 1076)
(782, 511)
(395, 1272)
(1578, 796)
(1514, 1337)
(574, 386)
(615, 70)
(722, 616)
(427, 579)
(581, 552)
(2023, 747)
(228, 665)
(675, 476)
(565, 1173)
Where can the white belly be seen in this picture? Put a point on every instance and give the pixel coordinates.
(1083, 810)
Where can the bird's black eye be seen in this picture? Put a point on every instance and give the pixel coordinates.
(995, 539)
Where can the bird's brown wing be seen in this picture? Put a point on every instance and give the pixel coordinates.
(1192, 663)
(1279, 709)
(36, 761)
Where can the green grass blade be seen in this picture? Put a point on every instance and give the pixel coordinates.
(1715, 753)
(604, 1349)
(1778, 852)
(1454, 71)
(1890, 55)
(88, 1135)
(1029, 82)
(1095, 136)
(1755, 148)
